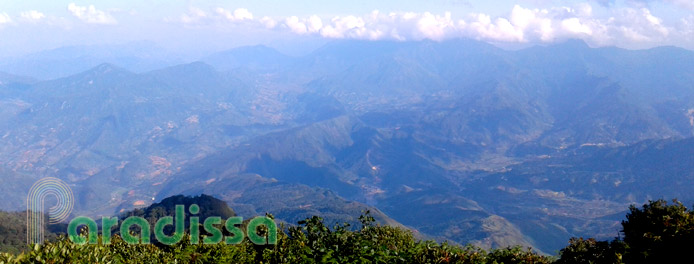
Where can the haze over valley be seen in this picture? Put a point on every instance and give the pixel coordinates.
(458, 139)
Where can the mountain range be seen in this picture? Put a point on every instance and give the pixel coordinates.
(458, 140)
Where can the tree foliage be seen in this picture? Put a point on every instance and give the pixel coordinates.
(311, 241)
(656, 233)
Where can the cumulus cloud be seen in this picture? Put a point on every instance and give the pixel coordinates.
(296, 25)
(268, 22)
(481, 26)
(90, 14)
(198, 17)
(521, 25)
(687, 24)
(686, 29)
(32, 15)
(346, 26)
(435, 27)
(5, 18)
(312, 24)
(575, 26)
(237, 15)
(377, 25)
(548, 25)
(193, 15)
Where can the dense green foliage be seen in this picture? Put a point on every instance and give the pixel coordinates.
(656, 233)
(13, 232)
(209, 206)
(659, 232)
(309, 242)
(590, 250)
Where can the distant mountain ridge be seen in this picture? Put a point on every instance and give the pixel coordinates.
(252, 57)
(66, 61)
(494, 147)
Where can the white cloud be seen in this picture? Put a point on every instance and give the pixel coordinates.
(521, 25)
(655, 22)
(5, 18)
(435, 27)
(217, 16)
(314, 24)
(268, 22)
(32, 15)
(345, 27)
(635, 25)
(574, 25)
(482, 27)
(296, 25)
(242, 14)
(612, 27)
(687, 25)
(90, 14)
(377, 25)
(535, 25)
(310, 25)
(686, 29)
(237, 15)
(193, 15)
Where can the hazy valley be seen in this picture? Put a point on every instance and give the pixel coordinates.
(458, 140)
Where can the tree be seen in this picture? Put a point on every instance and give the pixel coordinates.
(587, 251)
(659, 232)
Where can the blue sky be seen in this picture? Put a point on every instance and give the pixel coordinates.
(190, 25)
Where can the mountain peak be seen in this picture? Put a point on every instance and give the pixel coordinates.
(574, 44)
(209, 206)
(107, 70)
(99, 71)
(196, 65)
